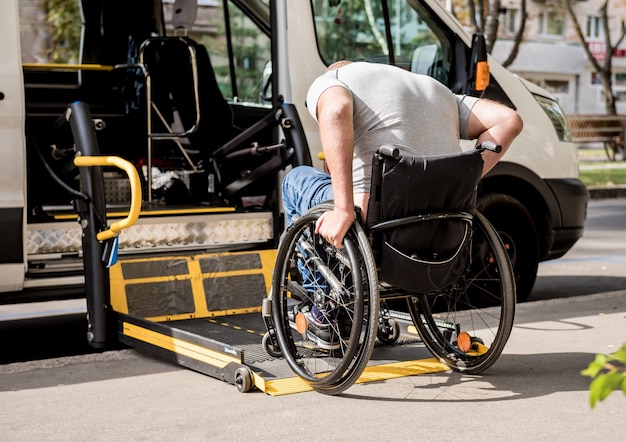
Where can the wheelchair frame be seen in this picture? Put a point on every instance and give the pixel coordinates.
(465, 325)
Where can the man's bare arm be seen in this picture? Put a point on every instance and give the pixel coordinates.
(494, 122)
(334, 114)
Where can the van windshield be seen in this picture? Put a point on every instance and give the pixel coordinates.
(403, 34)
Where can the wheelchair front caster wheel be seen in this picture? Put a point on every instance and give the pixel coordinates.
(270, 348)
(389, 332)
(243, 380)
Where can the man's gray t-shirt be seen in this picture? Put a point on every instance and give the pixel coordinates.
(393, 106)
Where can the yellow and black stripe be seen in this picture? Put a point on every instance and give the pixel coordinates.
(185, 287)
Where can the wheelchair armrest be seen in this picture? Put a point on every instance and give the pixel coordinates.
(389, 150)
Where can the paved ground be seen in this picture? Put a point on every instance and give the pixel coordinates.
(534, 392)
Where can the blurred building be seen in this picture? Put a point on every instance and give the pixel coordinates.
(551, 54)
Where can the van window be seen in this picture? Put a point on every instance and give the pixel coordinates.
(359, 30)
(50, 31)
(250, 50)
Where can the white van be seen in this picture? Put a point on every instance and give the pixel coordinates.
(212, 189)
(533, 196)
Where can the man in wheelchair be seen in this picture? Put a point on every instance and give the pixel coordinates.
(415, 113)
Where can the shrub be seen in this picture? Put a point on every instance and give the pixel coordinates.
(608, 373)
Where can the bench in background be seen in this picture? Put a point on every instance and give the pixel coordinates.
(606, 129)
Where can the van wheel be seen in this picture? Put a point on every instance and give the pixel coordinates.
(516, 228)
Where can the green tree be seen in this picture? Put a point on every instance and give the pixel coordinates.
(483, 16)
(63, 25)
(353, 29)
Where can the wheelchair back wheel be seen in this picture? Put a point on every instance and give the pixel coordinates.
(325, 304)
(468, 325)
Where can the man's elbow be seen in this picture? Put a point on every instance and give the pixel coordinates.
(514, 123)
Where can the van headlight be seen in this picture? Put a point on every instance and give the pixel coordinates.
(555, 113)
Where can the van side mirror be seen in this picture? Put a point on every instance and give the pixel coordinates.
(478, 75)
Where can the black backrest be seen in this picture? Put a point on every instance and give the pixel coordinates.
(409, 185)
(420, 212)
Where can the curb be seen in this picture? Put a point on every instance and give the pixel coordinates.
(607, 192)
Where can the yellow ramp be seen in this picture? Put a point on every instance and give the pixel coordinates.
(280, 387)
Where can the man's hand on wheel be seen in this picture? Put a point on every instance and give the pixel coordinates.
(333, 226)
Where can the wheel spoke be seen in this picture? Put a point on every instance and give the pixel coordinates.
(321, 312)
(468, 325)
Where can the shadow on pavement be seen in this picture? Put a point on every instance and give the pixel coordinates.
(550, 287)
(512, 378)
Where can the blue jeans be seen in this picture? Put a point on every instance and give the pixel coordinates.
(304, 187)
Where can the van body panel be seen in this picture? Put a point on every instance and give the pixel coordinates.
(538, 147)
(12, 152)
(558, 201)
(568, 192)
(305, 64)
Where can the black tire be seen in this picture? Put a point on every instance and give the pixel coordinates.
(517, 230)
(351, 309)
(468, 326)
(243, 380)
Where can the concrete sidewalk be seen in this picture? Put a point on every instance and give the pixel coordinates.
(534, 392)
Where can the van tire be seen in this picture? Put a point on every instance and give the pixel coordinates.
(517, 230)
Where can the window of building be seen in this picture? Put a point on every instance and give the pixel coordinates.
(594, 27)
(595, 79)
(510, 20)
(556, 86)
(620, 79)
(551, 24)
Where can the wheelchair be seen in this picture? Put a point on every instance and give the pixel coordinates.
(423, 246)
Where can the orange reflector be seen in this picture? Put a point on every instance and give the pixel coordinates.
(464, 342)
(482, 75)
(301, 323)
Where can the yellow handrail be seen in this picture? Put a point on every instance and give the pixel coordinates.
(135, 191)
(67, 67)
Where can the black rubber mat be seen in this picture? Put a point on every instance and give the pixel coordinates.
(246, 333)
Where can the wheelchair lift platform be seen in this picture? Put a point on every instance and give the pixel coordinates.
(203, 312)
(221, 346)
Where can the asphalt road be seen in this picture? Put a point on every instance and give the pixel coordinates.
(596, 263)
